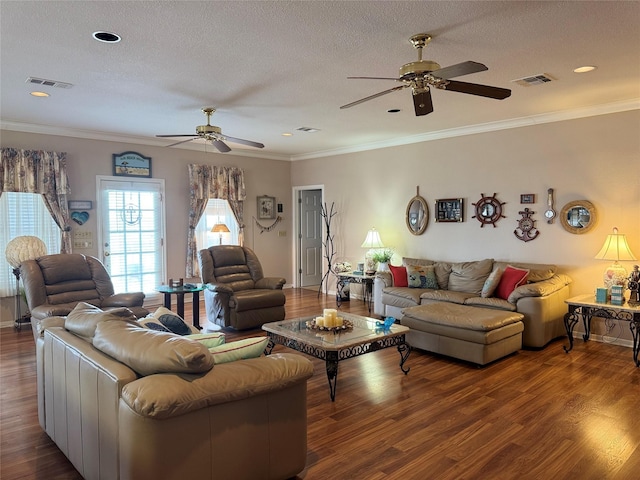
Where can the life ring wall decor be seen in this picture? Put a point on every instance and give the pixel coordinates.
(268, 228)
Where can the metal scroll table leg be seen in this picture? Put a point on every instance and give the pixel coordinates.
(332, 373)
(570, 320)
(269, 347)
(634, 325)
(340, 286)
(404, 350)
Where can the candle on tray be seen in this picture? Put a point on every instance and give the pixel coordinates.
(339, 322)
(320, 322)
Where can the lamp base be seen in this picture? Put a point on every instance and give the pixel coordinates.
(614, 274)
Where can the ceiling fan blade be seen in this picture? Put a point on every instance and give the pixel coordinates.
(459, 69)
(181, 141)
(422, 103)
(244, 142)
(183, 135)
(371, 97)
(221, 146)
(375, 78)
(475, 89)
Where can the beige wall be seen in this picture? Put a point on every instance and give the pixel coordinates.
(88, 158)
(596, 158)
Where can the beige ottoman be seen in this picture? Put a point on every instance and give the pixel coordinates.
(475, 334)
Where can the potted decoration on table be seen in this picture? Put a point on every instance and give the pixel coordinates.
(382, 257)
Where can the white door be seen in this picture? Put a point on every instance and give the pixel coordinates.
(131, 237)
(310, 236)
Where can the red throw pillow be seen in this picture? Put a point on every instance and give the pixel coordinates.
(511, 278)
(399, 275)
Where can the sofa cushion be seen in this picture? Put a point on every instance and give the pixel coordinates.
(511, 278)
(399, 275)
(209, 340)
(172, 322)
(419, 276)
(491, 302)
(239, 350)
(402, 296)
(450, 296)
(84, 318)
(470, 276)
(491, 283)
(148, 351)
(538, 272)
(153, 324)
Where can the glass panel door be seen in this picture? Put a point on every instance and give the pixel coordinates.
(132, 233)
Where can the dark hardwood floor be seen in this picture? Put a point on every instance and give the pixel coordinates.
(533, 415)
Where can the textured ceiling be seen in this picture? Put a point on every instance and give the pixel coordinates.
(272, 67)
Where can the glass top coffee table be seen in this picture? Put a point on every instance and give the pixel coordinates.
(332, 346)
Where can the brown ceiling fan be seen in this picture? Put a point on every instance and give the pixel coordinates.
(423, 74)
(212, 134)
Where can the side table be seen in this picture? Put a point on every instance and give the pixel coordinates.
(366, 281)
(585, 307)
(180, 292)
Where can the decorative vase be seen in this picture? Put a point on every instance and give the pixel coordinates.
(383, 266)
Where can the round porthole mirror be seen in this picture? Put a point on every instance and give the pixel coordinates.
(417, 215)
(578, 216)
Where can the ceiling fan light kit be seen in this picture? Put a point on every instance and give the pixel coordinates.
(213, 134)
(423, 74)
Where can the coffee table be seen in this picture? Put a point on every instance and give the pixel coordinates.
(333, 346)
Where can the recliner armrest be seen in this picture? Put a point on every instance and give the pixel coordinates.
(271, 283)
(48, 310)
(131, 299)
(219, 288)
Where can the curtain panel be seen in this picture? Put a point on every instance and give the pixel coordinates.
(210, 181)
(42, 172)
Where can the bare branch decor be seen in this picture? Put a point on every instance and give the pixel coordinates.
(329, 248)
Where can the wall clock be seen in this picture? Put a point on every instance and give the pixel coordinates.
(526, 230)
(488, 210)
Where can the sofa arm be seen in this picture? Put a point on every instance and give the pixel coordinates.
(170, 395)
(540, 289)
(380, 281)
(385, 278)
(271, 283)
(132, 299)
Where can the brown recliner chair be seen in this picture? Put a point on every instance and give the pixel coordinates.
(237, 294)
(54, 284)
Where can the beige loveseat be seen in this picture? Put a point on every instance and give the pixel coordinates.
(540, 300)
(164, 410)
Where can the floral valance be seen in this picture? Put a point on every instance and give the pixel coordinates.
(211, 181)
(33, 171)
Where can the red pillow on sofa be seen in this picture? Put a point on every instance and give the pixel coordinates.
(511, 278)
(399, 275)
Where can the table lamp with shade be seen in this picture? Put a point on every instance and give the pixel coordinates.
(615, 248)
(220, 228)
(20, 249)
(372, 242)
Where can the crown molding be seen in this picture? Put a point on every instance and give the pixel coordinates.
(559, 116)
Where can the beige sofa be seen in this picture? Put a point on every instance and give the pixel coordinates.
(541, 300)
(184, 417)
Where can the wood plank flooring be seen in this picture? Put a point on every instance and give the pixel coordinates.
(533, 415)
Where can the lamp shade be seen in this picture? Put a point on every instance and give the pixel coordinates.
(615, 248)
(372, 240)
(24, 248)
(220, 228)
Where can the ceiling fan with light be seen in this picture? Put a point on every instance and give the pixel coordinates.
(423, 74)
(212, 134)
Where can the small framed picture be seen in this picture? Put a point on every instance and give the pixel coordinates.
(131, 164)
(450, 210)
(266, 207)
(528, 198)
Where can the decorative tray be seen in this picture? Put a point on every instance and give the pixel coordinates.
(346, 325)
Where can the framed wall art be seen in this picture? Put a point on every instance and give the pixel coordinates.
(528, 198)
(266, 207)
(449, 210)
(131, 164)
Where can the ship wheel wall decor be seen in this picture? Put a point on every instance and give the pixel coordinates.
(488, 210)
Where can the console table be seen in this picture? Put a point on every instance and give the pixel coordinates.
(180, 292)
(365, 280)
(585, 307)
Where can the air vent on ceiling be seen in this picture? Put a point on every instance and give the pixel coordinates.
(48, 83)
(538, 79)
(307, 129)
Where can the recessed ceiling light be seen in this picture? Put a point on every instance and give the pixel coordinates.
(40, 94)
(585, 69)
(393, 110)
(106, 37)
(287, 134)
